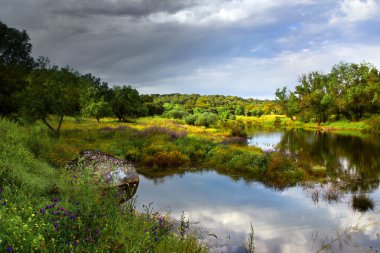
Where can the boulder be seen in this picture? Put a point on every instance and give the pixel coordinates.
(114, 171)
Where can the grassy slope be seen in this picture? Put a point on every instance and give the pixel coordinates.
(52, 210)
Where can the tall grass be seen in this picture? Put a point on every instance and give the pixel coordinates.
(47, 209)
(150, 145)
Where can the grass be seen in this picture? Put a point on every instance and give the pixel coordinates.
(157, 144)
(342, 126)
(55, 210)
(49, 209)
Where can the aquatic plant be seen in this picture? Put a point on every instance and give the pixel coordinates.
(362, 203)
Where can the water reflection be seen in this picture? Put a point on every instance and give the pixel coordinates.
(352, 159)
(284, 221)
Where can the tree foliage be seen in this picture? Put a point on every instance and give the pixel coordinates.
(15, 64)
(350, 90)
(51, 92)
(126, 102)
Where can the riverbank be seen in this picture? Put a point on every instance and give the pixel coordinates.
(36, 187)
(164, 145)
(341, 126)
(45, 208)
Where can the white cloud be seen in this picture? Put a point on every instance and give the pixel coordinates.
(356, 10)
(259, 77)
(241, 12)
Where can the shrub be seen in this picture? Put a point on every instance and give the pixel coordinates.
(155, 130)
(174, 111)
(195, 148)
(318, 170)
(190, 119)
(374, 124)
(277, 121)
(235, 128)
(164, 159)
(233, 157)
(206, 119)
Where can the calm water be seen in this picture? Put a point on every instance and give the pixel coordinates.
(298, 219)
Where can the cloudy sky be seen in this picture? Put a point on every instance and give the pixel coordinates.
(246, 48)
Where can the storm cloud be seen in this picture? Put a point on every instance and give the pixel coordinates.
(237, 47)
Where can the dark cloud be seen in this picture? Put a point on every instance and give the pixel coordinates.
(135, 8)
(189, 46)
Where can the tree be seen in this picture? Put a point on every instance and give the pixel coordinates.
(355, 89)
(15, 65)
(313, 94)
(126, 101)
(288, 102)
(51, 92)
(99, 109)
(15, 48)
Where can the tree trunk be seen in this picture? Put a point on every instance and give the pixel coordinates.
(59, 126)
(51, 128)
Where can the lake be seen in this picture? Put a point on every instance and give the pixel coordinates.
(297, 219)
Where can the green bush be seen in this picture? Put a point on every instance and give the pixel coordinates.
(174, 111)
(374, 124)
(206, 119)
(195, 148)
(190, 119)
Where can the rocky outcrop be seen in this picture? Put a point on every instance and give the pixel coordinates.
(114, 171)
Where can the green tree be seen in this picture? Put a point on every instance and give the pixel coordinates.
(51, 92)
(313, 94)
(15, 65)
(288, 102)
(98, 109)
(126, 102)
(355, 89)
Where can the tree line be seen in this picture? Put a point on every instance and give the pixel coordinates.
(178, 104)
(349, 90)
(32, 89)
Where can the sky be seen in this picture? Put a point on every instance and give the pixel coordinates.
(245, 48)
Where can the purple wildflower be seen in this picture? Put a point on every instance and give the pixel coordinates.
(9, 249)
(76, 242)
(42, 211)
(72, 216)
(156, 239)
(56, 200)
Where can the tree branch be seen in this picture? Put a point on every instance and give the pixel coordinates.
(51, 128)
